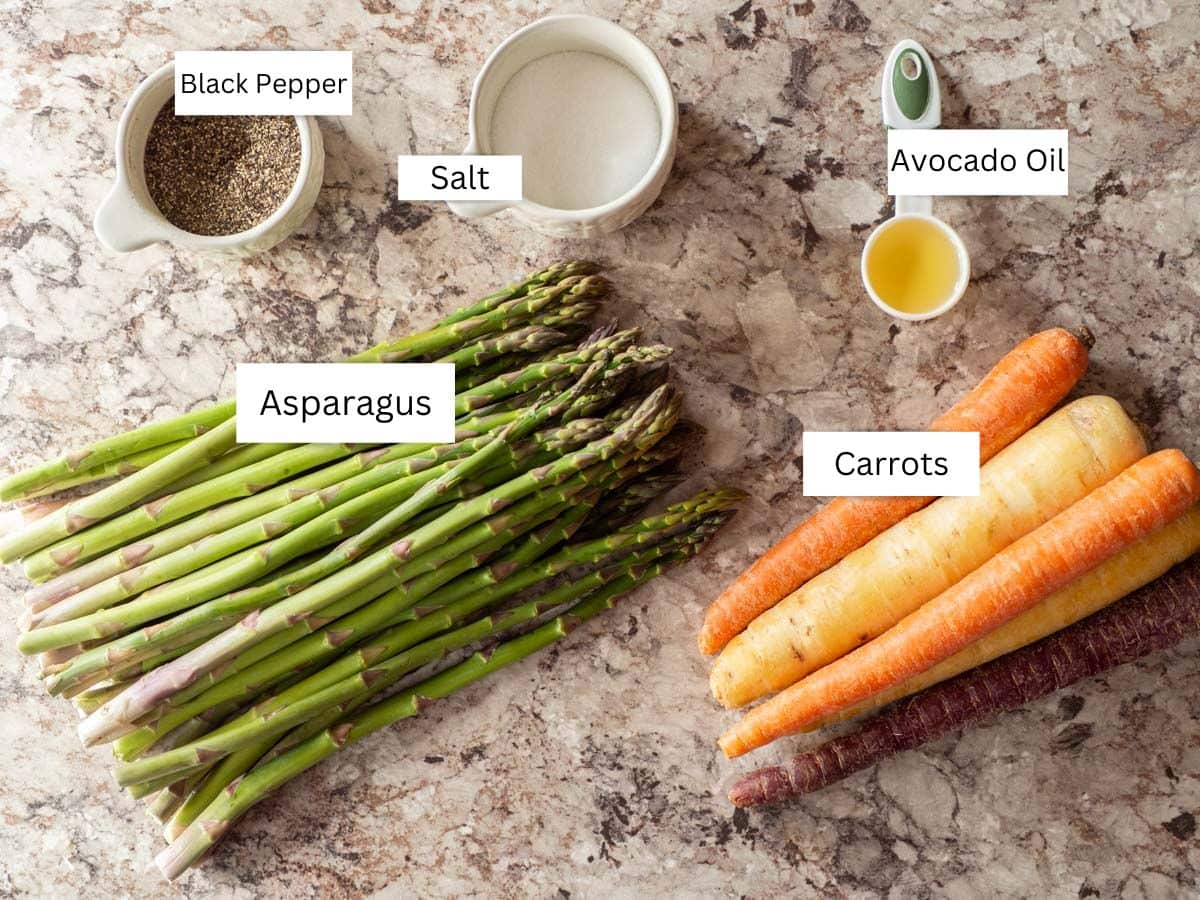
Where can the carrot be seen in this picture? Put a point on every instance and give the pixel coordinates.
(1022, 388)
(1142, 499)
(1074, 451)
(1157, 616)
(1129, 570)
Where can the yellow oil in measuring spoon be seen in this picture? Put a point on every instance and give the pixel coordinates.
(912, 265)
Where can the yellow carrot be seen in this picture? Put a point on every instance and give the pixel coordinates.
(1072, 452)
(1147, 496)
(1104, 585)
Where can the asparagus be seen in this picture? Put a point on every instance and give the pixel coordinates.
(539, 376)
(517, 572)
(493, 313)
(165, 805)
(629, 501)
(357, 679)
(470, 543)
(211, 825)
(118, 468)
(64, 555)
(402, 601)
(549, 275)
(364, 541)
(114, 448)
(336, 683)
(240, 456)
(363, 495)
(529, 339)
(83, 512)
(428, 573)
(115, 716)
(185, 706)
(243, 482)
(432, 569)
(93, 698)
(293, 503)
(122, 531)
(225, 575)
(312, 521)
(262, 665)
(252, 562)
(502, 317)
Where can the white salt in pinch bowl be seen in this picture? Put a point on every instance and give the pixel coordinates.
(129, 220)
(557, 34)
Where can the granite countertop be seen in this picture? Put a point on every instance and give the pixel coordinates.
(592, 771)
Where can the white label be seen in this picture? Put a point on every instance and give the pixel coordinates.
(977, 162)
(890, 463)
(334, 403)
(264, 83)
(489, 178)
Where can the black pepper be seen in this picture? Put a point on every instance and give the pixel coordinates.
(217, 175)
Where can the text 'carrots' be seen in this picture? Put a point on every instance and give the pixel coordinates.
(1142, 499)
(1157, 616)
(1022, 388)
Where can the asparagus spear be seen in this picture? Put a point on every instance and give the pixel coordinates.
(110, 534)
(441, 338)
(165, 805)
(212, 824)
(114, 717)
(93, 698)
(533, 336)
(473, 544)
(529, 339)
(243, 482)
(231, 688)
(629, 501)
(314, 521)
(550, 275)
(111, 449)
(240, 456)
(372, 535)
(118, 468)
(401, 601)
(81, 513)
(63, 555)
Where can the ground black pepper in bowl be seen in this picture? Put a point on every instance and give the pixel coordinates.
(217, 175)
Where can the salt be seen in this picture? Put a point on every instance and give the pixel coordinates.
(586, 126)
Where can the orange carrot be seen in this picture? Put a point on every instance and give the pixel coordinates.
(1145, 497)
(1025, 385)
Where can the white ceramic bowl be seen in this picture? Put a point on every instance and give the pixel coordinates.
(128, 219)
(556, 34)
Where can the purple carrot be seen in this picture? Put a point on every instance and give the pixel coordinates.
(1154, 617)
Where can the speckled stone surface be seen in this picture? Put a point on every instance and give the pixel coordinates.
(592, 771)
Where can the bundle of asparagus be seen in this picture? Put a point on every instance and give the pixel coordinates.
(228, 616)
